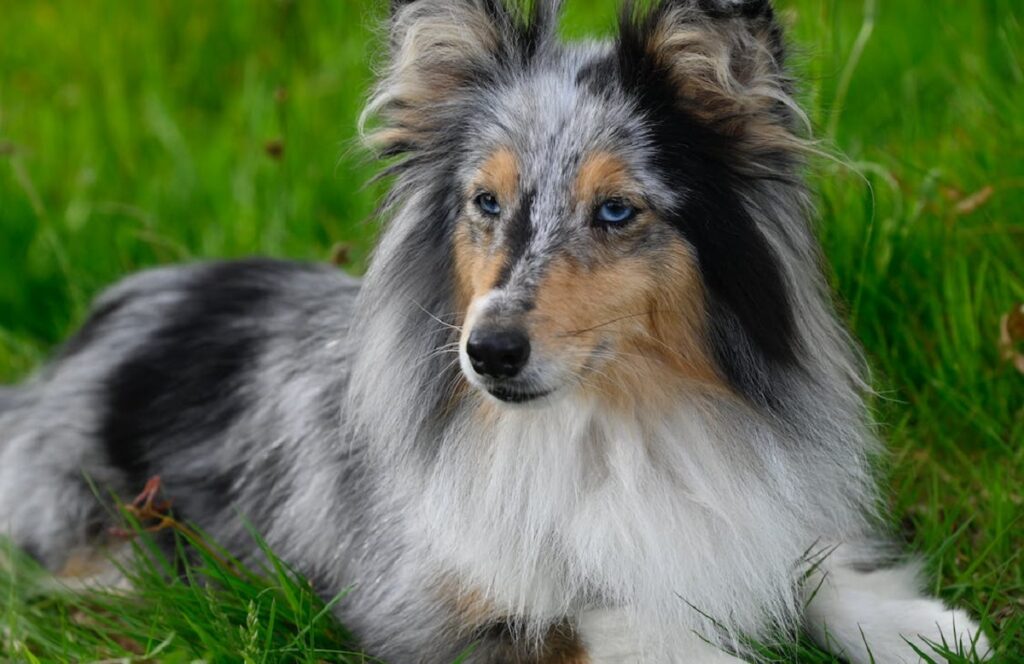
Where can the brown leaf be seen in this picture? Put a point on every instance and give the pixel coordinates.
(951, 194)
(275, 148)
(129, 644)
(975, 200)
(1011, 335)
(341, 254)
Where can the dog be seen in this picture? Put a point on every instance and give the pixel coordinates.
(590, 403)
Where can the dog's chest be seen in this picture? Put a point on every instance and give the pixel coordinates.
(547, 514)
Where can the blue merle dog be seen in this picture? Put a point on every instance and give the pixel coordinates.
(590, 403)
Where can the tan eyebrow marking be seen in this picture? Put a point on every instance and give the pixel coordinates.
(500, 175)
(603, 174)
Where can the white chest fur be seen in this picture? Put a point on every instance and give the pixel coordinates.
(547, 512)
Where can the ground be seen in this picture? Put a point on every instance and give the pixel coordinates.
(145, 133)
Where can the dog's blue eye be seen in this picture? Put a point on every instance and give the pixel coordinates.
(488, 204)
(615, 213)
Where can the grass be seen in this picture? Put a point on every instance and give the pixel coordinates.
(197, 604)
(132, 135)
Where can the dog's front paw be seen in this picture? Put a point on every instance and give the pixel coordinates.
(881, 616)
(892, 631)
(932, 627)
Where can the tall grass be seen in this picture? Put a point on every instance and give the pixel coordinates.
(144, 133)
(193, 602)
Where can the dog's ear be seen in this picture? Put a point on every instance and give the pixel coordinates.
(710, 77)
(723, 61)
(440, 49)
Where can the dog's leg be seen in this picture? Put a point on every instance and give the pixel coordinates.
(609, 638)
(47, 506)
(881, 615)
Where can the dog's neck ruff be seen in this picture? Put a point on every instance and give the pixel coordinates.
(546, 511)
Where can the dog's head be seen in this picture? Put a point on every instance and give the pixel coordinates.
(608, 208)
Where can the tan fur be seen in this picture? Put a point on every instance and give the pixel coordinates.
(499, 175)
(732, 77)
(473, 609)
(651, 309)
(84, 563)
(97, 566)
(563, 646)
(477, 269)
(601, 176)
(475, 612)
(435, 45)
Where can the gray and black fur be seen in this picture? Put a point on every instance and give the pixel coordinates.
(342, 419)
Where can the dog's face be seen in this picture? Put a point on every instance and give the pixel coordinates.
(567, 269)
(598, 226)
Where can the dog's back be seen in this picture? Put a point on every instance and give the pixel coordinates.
(175, 373)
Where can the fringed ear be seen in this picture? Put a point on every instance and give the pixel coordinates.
(440, 49)
(723, 61)
(709, 77)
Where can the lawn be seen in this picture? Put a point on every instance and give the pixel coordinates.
(135, 134)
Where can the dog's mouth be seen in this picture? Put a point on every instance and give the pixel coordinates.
(513, 395)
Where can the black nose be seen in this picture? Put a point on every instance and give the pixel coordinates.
(498, 353)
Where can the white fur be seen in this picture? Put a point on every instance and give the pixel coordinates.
(554, 506)
(875, 616)
(610, 638)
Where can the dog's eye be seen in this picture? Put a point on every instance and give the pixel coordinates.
(488, 204)
(614, 212)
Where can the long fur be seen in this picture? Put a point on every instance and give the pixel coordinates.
(337, 417)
